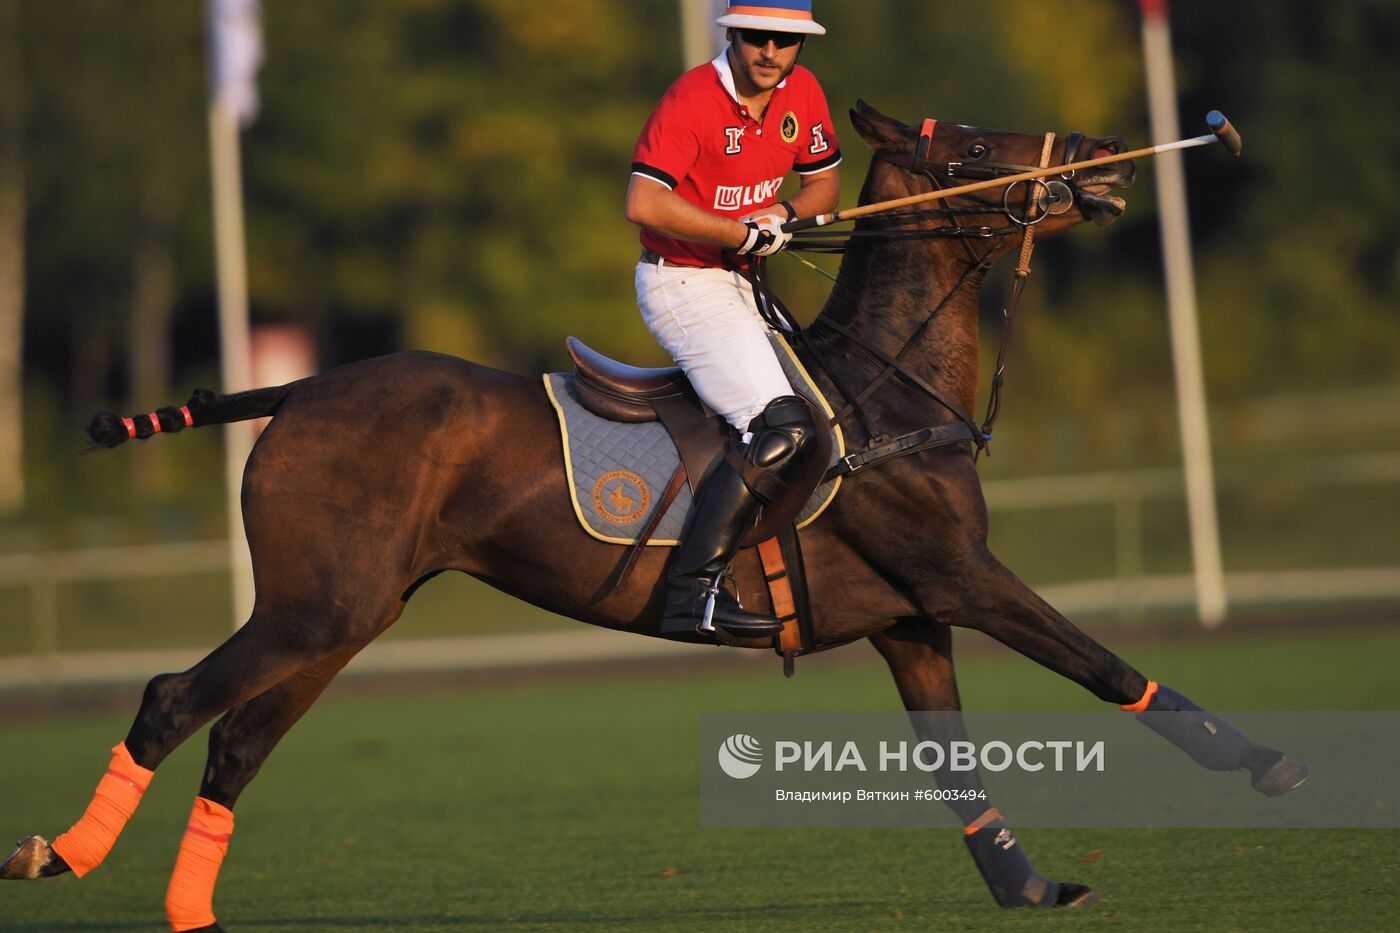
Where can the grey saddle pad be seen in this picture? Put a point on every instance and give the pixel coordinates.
(618, 472)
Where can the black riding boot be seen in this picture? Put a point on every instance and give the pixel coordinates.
(728, 505)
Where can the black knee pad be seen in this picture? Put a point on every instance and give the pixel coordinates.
(782, 432)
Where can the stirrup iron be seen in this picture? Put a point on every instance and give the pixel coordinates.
(707, 622)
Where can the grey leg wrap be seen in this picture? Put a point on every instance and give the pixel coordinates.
(1219, 746)
(1210, 740)
(1007, 870)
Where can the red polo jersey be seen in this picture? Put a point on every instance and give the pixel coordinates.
(703, 144)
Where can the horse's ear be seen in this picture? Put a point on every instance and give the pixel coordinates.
(880, 131)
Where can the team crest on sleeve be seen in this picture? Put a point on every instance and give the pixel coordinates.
(789, 127)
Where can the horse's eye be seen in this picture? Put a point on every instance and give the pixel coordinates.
(977, 151)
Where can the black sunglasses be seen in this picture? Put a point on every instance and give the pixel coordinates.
(758, 38)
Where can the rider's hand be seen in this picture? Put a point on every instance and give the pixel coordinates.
(765, 236)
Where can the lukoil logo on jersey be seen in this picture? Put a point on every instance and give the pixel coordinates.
(735, 197)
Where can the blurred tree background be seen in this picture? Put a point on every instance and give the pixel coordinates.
(449, 174)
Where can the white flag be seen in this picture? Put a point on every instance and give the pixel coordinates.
(237, 48)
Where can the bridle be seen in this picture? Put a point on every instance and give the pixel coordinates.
(1055, 196)
(1043, 199)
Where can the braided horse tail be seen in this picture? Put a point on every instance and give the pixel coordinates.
(204, 407)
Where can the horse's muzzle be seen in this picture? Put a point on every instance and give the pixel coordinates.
(1098, 205)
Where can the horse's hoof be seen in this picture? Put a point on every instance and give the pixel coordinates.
(1282, 777)
(1075, 895)
(27, 862)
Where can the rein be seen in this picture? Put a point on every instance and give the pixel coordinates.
(881, 448)
(1018, 282)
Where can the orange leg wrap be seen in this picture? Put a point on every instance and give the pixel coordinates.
(1141, 705)
(85, 845)
(991, 815)
(189, 901)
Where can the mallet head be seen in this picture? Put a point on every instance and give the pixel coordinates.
(1229, 137)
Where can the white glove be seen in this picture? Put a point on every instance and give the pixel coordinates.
(766, 236)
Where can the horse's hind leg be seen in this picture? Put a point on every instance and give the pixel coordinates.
(1000, 605)
(270, 648)
(267, 650)
(239, 743)
(920, 655)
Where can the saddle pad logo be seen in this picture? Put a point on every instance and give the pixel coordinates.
(621, 497)
(789, 127)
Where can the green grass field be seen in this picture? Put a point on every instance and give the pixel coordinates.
(572, 804)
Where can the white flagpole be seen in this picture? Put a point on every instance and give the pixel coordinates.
(1181, 309)
(701, 39)
(235, 51)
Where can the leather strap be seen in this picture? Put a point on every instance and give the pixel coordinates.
(775, 573)
(942, 435)
(1072, 144)
(700, 438)
(1018, 281)
(634, 550)
(925, 143)
(893, 365)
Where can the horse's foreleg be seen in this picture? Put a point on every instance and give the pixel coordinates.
(920, 655)
(995, 601)
(239, 743)
(1000, 605)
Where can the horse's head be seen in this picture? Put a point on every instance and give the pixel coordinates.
(957, 155)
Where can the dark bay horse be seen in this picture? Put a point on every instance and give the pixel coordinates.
(375, 476)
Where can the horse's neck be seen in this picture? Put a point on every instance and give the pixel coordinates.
(883, 294)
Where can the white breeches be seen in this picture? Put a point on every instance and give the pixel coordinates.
(706, 319)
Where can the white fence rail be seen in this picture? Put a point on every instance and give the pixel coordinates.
(1130, 594)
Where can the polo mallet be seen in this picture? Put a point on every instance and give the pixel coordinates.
(1220, 131)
